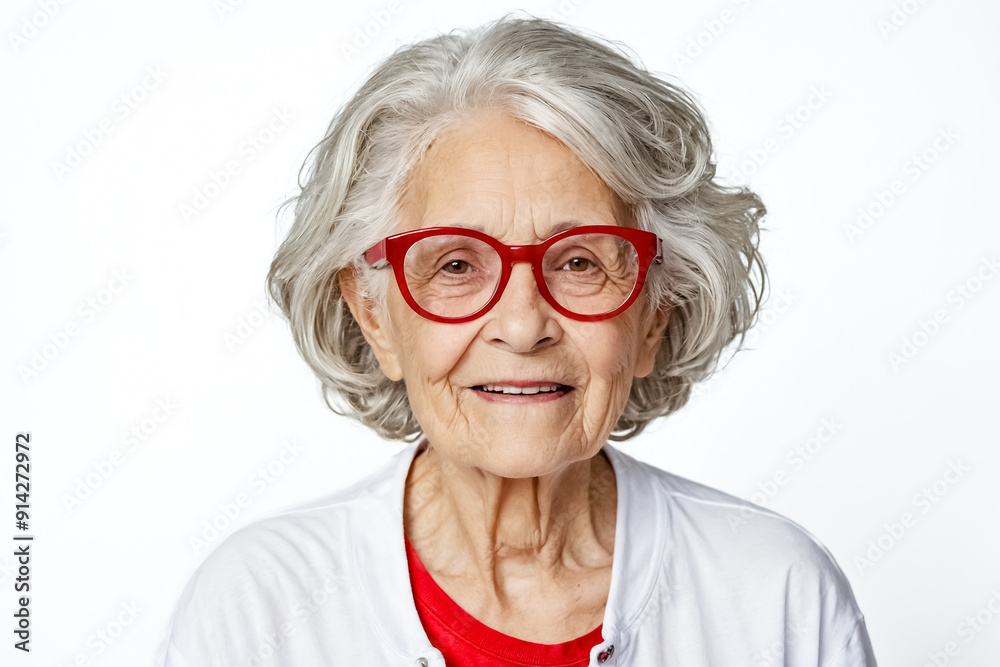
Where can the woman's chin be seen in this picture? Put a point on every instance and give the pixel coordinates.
(517, 459)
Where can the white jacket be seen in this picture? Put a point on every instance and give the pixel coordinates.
(699, 578)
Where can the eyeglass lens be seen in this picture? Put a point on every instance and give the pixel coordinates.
(454, 275)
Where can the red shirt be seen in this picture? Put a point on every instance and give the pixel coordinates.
(464, 641)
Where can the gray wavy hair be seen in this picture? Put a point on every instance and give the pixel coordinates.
(645, 137)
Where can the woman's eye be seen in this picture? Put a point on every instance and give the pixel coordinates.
(457, 266)
(578, 264)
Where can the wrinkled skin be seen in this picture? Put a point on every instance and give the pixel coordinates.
(511, 508)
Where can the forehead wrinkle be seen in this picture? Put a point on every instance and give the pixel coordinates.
(504, 180)
(455, 191)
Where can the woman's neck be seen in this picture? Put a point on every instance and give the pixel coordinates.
(475, 530)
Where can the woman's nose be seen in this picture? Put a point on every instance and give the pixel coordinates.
(523, 321)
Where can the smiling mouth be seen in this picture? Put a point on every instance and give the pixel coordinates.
(547, 389)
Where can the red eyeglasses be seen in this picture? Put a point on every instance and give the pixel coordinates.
(453, 274)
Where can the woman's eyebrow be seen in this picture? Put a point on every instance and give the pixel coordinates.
(461, 225)
(562, 226)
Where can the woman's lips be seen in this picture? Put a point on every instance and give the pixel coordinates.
(521, 391)
(520, 388)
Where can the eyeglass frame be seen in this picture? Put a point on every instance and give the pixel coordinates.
(392, 251)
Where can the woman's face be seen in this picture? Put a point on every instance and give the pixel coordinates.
(519, 185)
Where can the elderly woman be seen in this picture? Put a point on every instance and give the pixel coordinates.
(510, 248)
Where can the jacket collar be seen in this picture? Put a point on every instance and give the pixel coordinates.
(380, 563)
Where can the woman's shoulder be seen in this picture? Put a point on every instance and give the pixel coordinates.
(726, 562)
(708, 525)
(282, 570)
(311, 530)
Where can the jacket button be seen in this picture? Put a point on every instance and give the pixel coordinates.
(606, 654)
(422, 662)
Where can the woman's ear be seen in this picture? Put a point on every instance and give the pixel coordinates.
(378, 333)
(649, 346)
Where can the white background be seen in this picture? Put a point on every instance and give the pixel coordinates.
(885, 81)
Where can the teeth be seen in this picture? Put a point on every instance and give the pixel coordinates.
(499, 388)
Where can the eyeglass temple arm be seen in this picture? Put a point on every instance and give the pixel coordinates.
(375, 256)
(659, 251)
